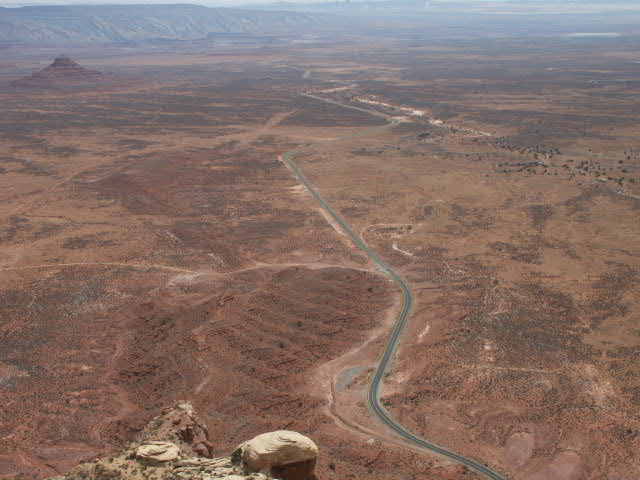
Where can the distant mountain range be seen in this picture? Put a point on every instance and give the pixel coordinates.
(349, 6)
(100, 24)
(134, 23)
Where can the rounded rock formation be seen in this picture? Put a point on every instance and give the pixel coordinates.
(285, 454)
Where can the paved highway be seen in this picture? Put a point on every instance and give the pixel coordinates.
(373, 396)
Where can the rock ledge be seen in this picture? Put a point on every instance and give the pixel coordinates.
(175, 446)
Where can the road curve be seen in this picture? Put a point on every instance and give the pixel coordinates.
(373, 396)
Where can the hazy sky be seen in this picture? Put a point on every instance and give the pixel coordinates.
(11, 3)
(211, 3)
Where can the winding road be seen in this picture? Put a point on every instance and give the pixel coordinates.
(373, 396)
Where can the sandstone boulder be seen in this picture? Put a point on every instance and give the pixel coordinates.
(285, 454)
(158, 452)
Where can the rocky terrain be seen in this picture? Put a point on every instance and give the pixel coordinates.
(175, 446)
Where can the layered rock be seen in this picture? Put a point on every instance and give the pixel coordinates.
(175, 446)
(158, 453)
(284, 454)
(180, 425)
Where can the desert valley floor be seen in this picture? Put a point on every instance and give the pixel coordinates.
(154, 247)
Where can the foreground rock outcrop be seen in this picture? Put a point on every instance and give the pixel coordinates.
(175, 446)
(284, 454)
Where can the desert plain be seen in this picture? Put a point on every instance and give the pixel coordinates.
(155, 247)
